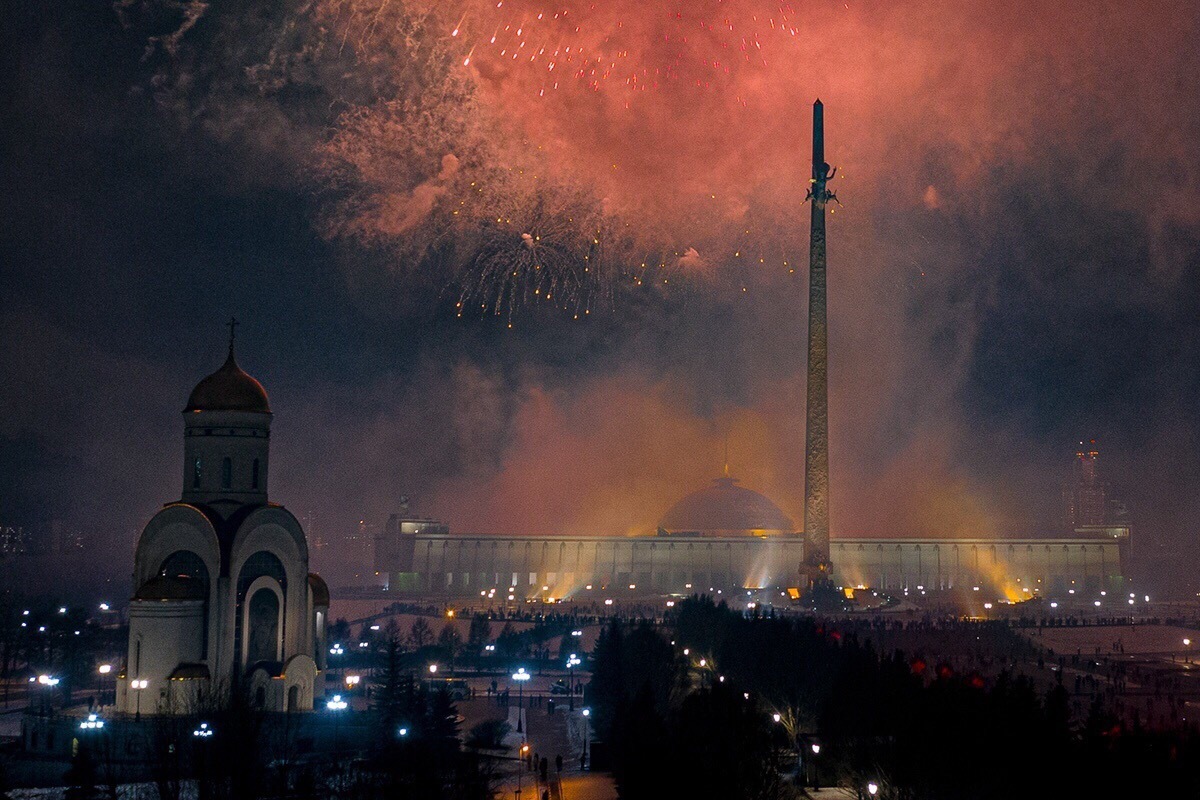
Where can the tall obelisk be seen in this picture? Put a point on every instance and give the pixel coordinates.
(816, 430)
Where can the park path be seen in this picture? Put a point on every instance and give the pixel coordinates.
(550, 735)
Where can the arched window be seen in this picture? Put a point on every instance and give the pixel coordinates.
(254, 475)
(196, 474)
(226, 472)
(258, 565)
(264, 627)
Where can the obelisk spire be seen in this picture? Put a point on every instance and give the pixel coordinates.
(816, 430)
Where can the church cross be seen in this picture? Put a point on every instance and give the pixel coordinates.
(232, 325)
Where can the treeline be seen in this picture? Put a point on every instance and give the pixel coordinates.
(718, 703)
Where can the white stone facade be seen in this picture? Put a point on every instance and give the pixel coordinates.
(223, 597)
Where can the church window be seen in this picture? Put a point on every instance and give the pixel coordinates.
(254, 475)
(226, 472)
(196, 474)
(264, 627)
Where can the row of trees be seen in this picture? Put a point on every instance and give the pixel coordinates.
(447, 644)
(753, 693)
(407, 744)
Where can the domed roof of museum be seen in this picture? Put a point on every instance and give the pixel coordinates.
(725, 509)
(229, 389)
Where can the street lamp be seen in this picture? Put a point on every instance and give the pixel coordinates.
(872, 788)
(103, 670)
(337, 705)
(92, 723)
(524, 751)
(587, 735)
(521, 676)
(203, 732)
(572, 662)
(816, 781)
(138, 685)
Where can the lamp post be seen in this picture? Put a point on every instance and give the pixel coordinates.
(138, 685)
(520, 676)
(816, 780)
(872, 788)
(521, 754)
(337, 705)
(572, 662)
(102, 670)
(587, 735)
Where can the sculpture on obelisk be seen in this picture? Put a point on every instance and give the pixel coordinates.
(816, 431)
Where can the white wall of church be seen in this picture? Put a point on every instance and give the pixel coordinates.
(162, 635)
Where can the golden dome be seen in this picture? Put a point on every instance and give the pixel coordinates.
(229, 389)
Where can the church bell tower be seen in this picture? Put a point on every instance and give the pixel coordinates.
(227, 430)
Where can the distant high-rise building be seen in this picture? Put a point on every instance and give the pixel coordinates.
(1085, 497)
(13, 540)
(1088, 508)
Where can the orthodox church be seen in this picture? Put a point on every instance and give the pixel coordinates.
(223, 598)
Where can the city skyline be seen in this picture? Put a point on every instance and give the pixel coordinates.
(1015, 278)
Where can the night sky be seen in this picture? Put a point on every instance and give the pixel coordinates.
(1014, 267)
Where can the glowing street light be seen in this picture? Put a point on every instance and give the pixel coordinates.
(92, 723)
(203, 732)
(352, 681)
(573, 661)
(138, 685)
(521, 676)
(872, 788)
(336, 650)
(433, 669)
(336, 703)
(403, 731)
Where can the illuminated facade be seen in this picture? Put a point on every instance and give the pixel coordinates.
(223, 597)
(727, 537)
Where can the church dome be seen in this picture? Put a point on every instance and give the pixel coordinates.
(229, 389)
(725, 509)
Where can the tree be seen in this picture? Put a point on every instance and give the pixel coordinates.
(339, 631)
(420, 634)
(450, 640)
(508, 643)
(478, 634)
